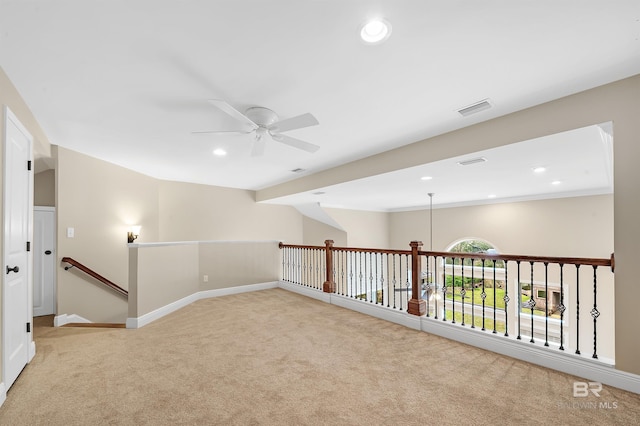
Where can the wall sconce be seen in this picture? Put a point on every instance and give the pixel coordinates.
(133, 233)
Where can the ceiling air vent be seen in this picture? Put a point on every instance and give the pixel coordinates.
(472, 161)
(473, 108)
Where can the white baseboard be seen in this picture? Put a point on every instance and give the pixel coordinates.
(161, 312)
(367, 308)
(32, 350)
(181, 303)
(219, 292)
(62, 319)
(3, 394)
(305, 291)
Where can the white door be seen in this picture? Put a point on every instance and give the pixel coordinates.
(43, 261)
(17, 207)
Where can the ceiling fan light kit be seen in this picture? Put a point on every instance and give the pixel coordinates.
(264, 122)
(375, 31)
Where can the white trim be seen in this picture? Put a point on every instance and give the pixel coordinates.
(62, 319)
(218, 292)
(187, 300)
(306, 291)
(181, 243)
(32, 350)
(367, 308)
(160, 312)
(3, 394)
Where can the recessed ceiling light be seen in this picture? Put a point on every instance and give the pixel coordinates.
(539, 169)
(426, 178)
(556, 182)
(492, 195)
(219, 152)
(375, 31)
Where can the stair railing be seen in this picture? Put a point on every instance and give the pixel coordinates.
(115, 287)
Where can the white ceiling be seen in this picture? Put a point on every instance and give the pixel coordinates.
(128, 81)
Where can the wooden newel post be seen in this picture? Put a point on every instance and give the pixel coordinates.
(417, 306)
(329, 285)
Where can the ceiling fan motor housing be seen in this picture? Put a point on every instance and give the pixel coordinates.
(263, 117)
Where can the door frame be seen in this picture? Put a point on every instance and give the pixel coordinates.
(9, 116)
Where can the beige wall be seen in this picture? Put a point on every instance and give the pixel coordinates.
(572, 227)
(618, 102)
(191, 212)
(316, 233)
(160, 275)
(364, 229)
(235, 263)
(163, 273)
(100, 201)
(44, 188)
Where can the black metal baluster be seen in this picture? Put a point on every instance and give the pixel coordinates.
(375, 260)
(435, 285)
(494, 297)
(360, 275)
(321, 265)
(351, 266)
(483, 295)
(400, 281)
(407, 284)
(546, 303)
(473, 294)
(393, 256)
(305, 271)
(444, 288)
(371, 262)
(532, 302)
(506, 299)
(561, 308)
(518, 337)
(453, 287)
(577, 309)
(381, 279)
(298, 266)
(463, 292)
(428, 288)
(386, 256)
(594, 312)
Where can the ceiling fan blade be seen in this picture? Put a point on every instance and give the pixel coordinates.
(225, 107)
(224, 131)
(296, 143)
(298, 122)
(258, 147)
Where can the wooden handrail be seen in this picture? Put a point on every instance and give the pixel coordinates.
(95, 275)
(536, 259)
(510, 257)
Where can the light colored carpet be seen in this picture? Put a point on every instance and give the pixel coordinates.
(277, 358)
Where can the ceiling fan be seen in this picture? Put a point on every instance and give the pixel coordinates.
(264, 122)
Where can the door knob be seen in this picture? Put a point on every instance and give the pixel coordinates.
(14, 269)
(47, 252)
